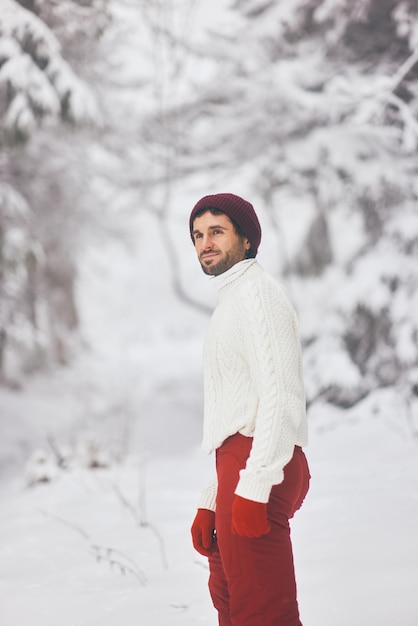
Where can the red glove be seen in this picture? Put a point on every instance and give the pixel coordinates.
(203, 531)
(249, 518)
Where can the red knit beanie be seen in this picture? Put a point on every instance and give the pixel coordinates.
(237, 209)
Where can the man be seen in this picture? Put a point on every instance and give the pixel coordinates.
(255, 419)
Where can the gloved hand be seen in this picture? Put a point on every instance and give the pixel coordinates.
(249, 518)
(203, 531)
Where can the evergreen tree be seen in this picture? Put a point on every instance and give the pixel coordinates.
(318, 100)
(39, 89)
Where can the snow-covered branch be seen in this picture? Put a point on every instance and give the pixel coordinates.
(35, 80)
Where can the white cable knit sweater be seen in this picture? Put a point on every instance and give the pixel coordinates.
(253, 378)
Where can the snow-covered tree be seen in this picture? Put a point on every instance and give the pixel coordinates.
(36, 82)
(39, 89)
(316, 103)
(147, 80)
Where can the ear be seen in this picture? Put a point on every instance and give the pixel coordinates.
(247, 245)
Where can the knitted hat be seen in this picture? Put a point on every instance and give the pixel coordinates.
(237, 209)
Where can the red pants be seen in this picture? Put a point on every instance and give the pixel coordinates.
(252, 581)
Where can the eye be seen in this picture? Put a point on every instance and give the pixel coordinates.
(197, 236)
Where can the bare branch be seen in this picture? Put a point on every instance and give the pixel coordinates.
(109, 555)
(403, 70)
(103, 553)
(60, 459)
(141, 522)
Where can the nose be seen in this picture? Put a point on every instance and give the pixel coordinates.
(206, 242)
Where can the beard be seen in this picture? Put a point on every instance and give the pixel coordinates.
(227, 259)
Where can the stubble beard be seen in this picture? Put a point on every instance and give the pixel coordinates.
(230, 258)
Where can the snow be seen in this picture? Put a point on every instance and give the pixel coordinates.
(354, 540)
(328, 364)
(82, 546)
(100, 461)
(54, 528)
(40, 82)
(134, 398)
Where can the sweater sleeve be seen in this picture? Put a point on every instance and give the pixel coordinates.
(208, 495)
(273, 351)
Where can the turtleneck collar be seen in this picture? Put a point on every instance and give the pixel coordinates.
(232, 274)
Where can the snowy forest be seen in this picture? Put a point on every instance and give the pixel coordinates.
(116, 116)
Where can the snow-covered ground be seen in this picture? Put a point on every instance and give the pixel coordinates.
(112, 545)
(355, 540)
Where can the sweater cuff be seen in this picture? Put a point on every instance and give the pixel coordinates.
(251, 488)
(207, 500)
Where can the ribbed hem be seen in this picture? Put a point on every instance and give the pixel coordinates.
(207, 500)
(251, 488)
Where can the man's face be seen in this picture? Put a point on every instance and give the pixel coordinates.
(217, 243)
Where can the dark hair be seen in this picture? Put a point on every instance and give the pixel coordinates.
(250, 253)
